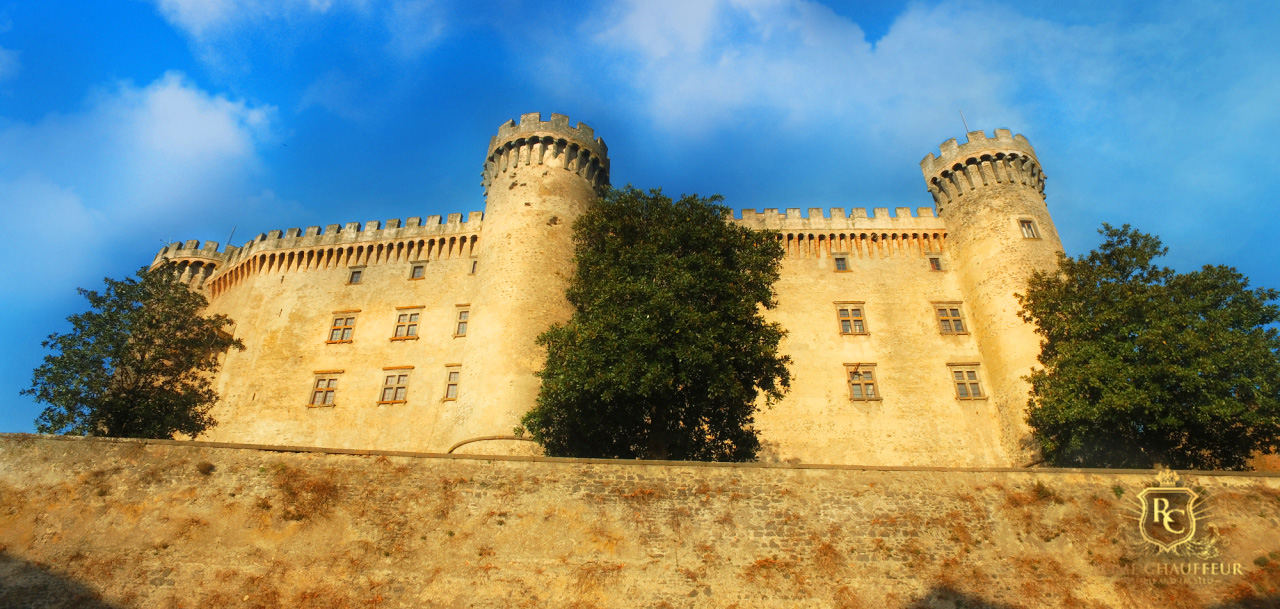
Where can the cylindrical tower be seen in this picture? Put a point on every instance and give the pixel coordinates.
(990, 192)
(538, 177)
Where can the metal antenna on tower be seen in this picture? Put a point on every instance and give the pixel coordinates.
(966, 123)
(233, 233)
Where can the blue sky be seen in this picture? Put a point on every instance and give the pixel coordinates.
(124, 124)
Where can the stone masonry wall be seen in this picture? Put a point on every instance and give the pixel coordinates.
(119, 523)
(916, 418)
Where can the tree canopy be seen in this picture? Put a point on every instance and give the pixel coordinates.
(136, 365)
(1146, 366)
(667, 351)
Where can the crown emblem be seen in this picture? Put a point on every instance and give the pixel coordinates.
(1167, 478)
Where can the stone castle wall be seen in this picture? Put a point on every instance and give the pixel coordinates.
(508, 270)
(115, 524)
(918, 421)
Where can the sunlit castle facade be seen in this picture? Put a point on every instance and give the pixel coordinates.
(418, 335)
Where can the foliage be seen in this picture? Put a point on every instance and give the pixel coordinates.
(136, 365)
(1145, 366)
(667, 350)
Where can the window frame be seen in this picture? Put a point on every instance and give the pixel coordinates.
(1026, 225)
(400, 390)
(935, 264)
(355, 275)
(452, 380)
(410, 323)
(852, 305)
(330, 390)
(414, 267)
(970, 380)
(873, 382)
(946, 324)
(474, 263)
(347, 331)
(836, 261)
(462, 320)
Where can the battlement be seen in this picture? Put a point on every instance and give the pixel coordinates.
(981, 162)
(839, 218)
(976, 145)
(332, 234)
(197, 263)
(532, 123)
(852, 231)
(534, 141)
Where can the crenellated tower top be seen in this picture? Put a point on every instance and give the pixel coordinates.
(981, 162)
(534, 141)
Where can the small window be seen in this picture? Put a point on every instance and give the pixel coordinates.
(949, 319)
(1028, 229)
(474, 263)
(850, 317)
(395, 386)
(406, 326)
(461, 328)
(965, 379)
(451, 376)
(842, 264)
(417, 271)
(862, 381)
(323, 390)
(342, 329)
(355, 277)
(935, 264)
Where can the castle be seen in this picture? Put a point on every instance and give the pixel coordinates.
(420, 335)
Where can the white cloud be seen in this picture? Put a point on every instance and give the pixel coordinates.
(202, 18)
(699, 63)
(135, 163)
(217, 27)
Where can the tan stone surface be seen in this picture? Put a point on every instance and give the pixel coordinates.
(169, 524)
(283, 288)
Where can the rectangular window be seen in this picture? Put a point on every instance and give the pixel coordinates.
(324, 389)
(452, 374)
(851, 319)
(1028, 229)
(417, 271)
(461, 328)
(862, 381)
(474, 263)
(935, 264)
(344, 325)
(355, 276)
(949, 320)
(842, 264)
(395, 385)
(965, 379)
(406, 326)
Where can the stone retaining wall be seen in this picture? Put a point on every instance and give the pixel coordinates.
(121, 523)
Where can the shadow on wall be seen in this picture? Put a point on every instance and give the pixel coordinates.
(1260, 602)
(945, 597)
(23, 584)
(29, 586)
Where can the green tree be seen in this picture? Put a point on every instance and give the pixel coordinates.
(667, 350)
(136, 365)
(1145, 366)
